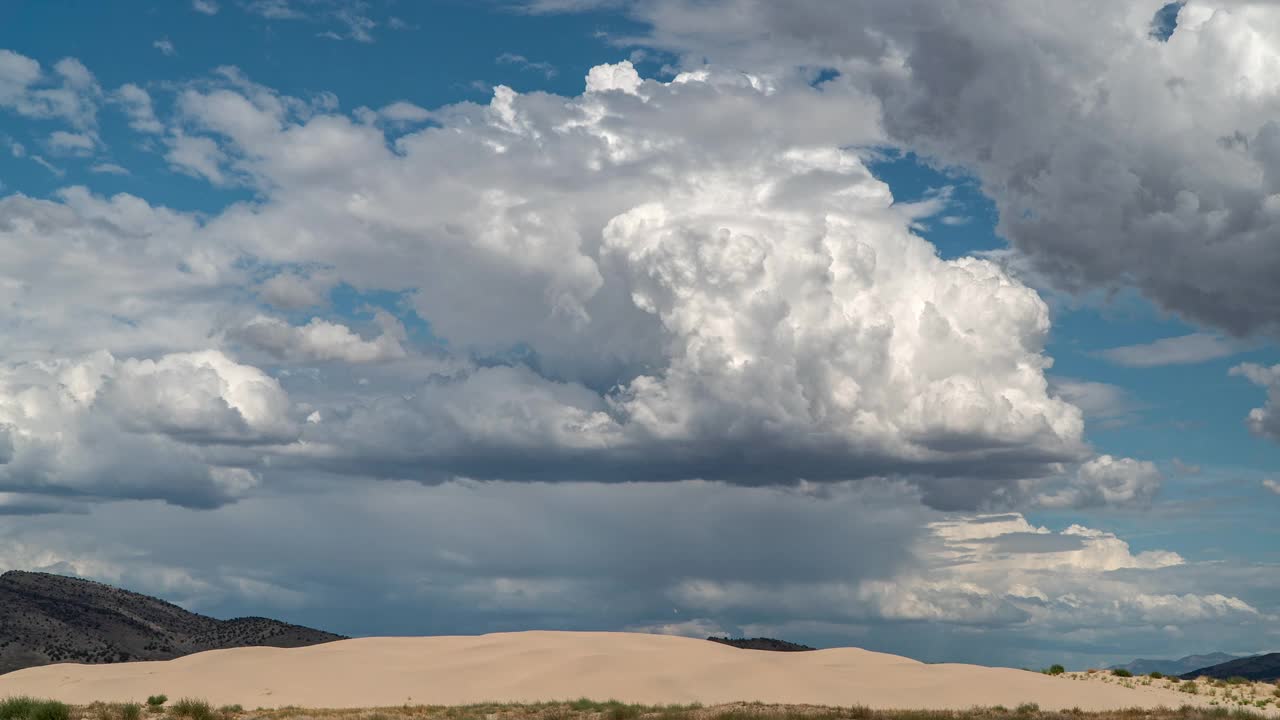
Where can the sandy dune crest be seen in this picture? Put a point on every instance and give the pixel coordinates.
(533, 666)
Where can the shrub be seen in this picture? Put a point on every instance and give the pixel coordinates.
(15, 708)
(231, 709)
(1189, 687)
(1027, 709)
(156, 701)
(27, 708)
(1056, 670)
(1155, 675)
(192, 709)
(130, 711)
(1236, 680)
(1121, 672)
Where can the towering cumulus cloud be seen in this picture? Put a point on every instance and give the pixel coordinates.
(650, 281)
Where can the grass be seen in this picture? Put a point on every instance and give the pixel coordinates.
(26, 708)
(192, 709)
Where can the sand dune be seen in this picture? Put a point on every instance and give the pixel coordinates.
(532, 666)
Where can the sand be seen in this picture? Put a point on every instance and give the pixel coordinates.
(536, 666)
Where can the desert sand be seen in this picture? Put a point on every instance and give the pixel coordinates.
(537, 666)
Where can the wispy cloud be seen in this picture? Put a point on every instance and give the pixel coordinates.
(208, 7)
(1181, 350)
(525, 63)
(165, 46)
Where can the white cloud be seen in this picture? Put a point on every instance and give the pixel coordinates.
(198, 156)
(165, 46)
(1181, 350)
(207, 7)
(404, 112)
(137, 105)
(1272, 485)
(320, 340)
(100, 427)
(109, 169)
(66, 143)
(1263, 421)
(1106, 480)
(71, 93)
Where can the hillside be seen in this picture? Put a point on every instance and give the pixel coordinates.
(1143, 666)
(51, 618)
(1259, 667)
(761, 643)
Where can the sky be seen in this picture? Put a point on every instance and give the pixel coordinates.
(940, 329)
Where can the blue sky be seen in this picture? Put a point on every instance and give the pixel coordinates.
(512, 296)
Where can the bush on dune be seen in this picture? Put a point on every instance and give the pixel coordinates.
(27, 708)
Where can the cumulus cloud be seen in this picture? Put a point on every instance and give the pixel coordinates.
(623, 293)
(70, 92)
(776, 301)
(1272, 485)
(1106, 480)
(1037, 100)
(321, 340)
(1265, 420)
(101, 427)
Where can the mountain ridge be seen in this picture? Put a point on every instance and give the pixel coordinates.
(1255, 667)
(47, 618)
(1185, 664)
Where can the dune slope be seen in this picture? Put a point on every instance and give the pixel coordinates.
(533, 666)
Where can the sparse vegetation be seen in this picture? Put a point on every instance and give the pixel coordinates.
(192, 709)
(156, 701)
(1055, 670)
(586, 709)
(1155, 675)
(25, 708)
(1189, 687)
(1121, 672)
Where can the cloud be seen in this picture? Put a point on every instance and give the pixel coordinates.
(289, 291)
(98, 427)
(109, 169)
(1263, 421)
(587, 555)
(322, 341)
(1272, 485)
(71, 93)
(65, 143)
(1181, 350)
(165, 46)
(545, 68)
(404, 112)
(1110, 405)
(618, 292)
(1038, 104)
(206, 7)
(136, 103)
(1106, 480)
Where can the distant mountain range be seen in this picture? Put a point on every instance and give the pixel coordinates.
(48, 619)
(1174, 667)
(761, 643)
(1258, 667)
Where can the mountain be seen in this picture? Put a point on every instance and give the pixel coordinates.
(51, 618)
(761, 643)
(1174, 667)
(1259, 667)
